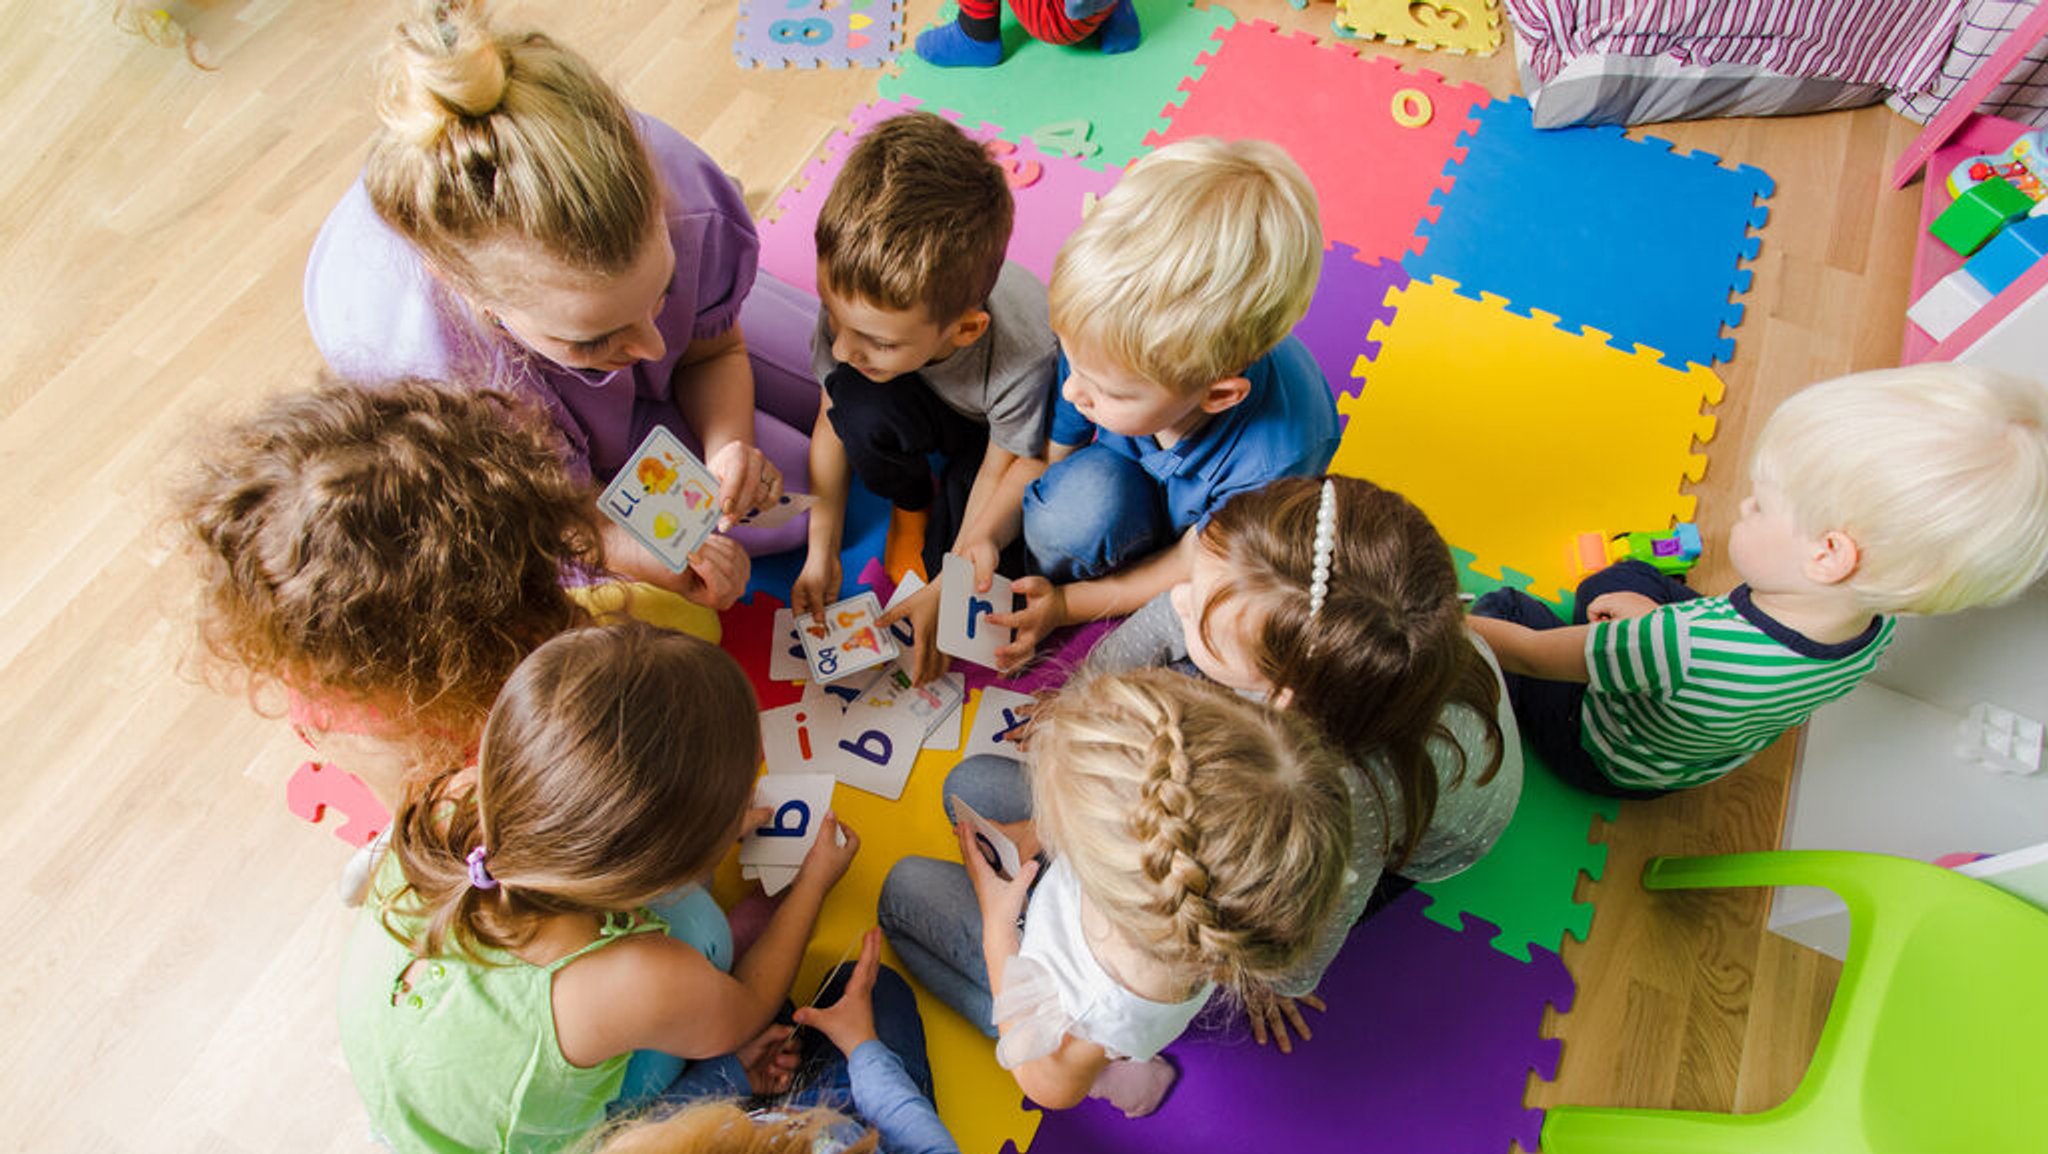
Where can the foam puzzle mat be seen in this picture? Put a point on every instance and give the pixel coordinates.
(1040, 85)
(1629, 237)
(1514, 433)
(1376, 179)
(814, 33)
(1460, 26)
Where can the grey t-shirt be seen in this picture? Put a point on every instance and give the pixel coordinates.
(1004, 380)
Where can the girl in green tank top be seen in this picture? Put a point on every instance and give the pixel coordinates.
(505, 967)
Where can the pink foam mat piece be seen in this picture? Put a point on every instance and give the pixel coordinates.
(1336, 113)
(1051, 192)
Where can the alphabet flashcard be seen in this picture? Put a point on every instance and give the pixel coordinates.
(964, 631)
(997, 718)
(800, 738)
(665, 498)
(781, 512)
(849, 640)
(933, 702)
(997, 848)
(795, 802)
(875, 749)
(786, 649)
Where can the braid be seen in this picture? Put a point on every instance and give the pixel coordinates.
(1170, 840)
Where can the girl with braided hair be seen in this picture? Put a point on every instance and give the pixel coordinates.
(1197, 840)
(1338, 600)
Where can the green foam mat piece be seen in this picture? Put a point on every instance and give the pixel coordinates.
(1123, 98)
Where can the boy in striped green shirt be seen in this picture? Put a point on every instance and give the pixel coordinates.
(1919, 490)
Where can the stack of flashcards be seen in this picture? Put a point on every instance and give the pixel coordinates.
(796, 802)
(665, 498)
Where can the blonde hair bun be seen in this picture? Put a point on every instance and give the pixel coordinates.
(443, 63)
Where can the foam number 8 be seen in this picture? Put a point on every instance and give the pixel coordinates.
(1412, 108)
(810, 31)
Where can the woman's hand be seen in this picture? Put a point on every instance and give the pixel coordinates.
(747, 482)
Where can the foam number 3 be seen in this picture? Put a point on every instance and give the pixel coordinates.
(1436, 17)
(1019, 173)
(811, 31)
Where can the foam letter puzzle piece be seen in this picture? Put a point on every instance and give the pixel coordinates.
(810, 33)
(315, 788)
(1460, 26)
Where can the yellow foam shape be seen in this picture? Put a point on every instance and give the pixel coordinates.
(1459, 26)
(978, 1100)
(1514, 435)
(609, 601)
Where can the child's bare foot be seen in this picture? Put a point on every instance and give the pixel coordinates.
(1120, 33)
(952, 47)
(1136, 1088)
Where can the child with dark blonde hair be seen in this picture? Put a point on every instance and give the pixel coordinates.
(1198, 840)
(506, 965)
(1336, 599)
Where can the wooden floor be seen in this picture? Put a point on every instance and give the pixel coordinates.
(171, 935)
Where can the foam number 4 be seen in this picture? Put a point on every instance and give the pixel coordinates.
(1019, 173)
(811, 31)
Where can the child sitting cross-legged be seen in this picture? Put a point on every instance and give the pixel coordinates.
(506, 965)
(1173, 303)
(1920, 490)
(928, 342)
(1197, 840)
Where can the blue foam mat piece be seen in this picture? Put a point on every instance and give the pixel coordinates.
(1628, 237)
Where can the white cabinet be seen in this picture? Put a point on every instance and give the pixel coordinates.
(1878, 769)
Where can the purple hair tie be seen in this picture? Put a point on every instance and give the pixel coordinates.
(479, 876)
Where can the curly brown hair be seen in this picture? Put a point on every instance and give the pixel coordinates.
(399, 547)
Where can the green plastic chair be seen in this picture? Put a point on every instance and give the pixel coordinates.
(1937, 1041)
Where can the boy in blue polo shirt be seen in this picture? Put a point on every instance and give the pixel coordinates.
(1180, 385)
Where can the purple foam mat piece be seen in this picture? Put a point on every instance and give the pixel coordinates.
(1351, 294)
(1427, 1046)
(810, 33)
(1051, 192)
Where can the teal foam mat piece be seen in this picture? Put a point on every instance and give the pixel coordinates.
(1123, 98)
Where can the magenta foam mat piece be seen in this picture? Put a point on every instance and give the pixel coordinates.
(1051, 192)
(1428, 1046)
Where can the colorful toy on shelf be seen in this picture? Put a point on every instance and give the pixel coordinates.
(1671, 553)
(1978, 214)
(2024, 166)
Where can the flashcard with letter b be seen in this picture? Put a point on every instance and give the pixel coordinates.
(796, 803)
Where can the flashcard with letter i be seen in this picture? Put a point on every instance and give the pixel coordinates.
(849, 640)
(964, 631)
(664, 497)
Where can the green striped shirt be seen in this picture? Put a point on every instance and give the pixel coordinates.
(1682, 695)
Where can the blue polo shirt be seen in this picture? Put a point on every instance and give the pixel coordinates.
(1286, 426)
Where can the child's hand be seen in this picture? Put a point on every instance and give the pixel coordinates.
(717, 574)
(1272, 1013)
(1044, 610)
(1002, 901)
(769, 1060)
(1619, 606)
(921, 609)
(816, 586)
(850, 1021)
(984, 556)
(827, 860)
(747, 482)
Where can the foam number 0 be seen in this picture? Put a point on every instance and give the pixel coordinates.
(1019, 173)
(1412, 108)
(810, 31)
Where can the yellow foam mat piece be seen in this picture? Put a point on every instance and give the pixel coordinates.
(978, 1100)
(1457, 26)
(1514, 435)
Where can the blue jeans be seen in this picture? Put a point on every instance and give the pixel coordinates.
(1092, 514)
(1550, 712)
(822, 1077)
(928, 908)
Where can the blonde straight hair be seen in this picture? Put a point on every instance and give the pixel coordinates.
(488, 135)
